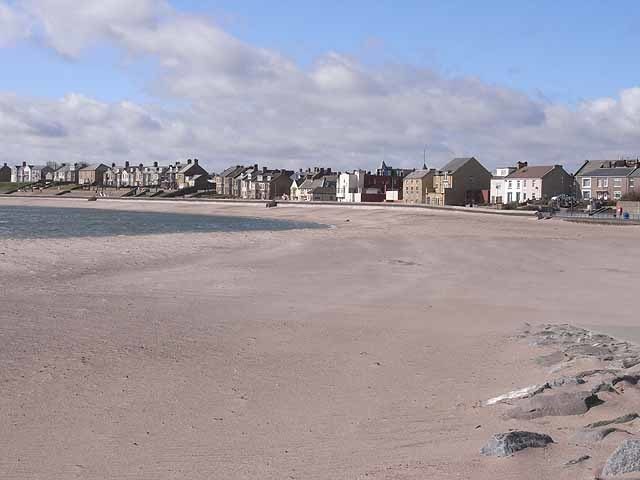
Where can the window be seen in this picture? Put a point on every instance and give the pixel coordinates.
(603, 182)
(524, 184)
(617, 182)
(518, 184)
(498, 187)
(510, 184)
(533, 196)
(586, 183)
(586, 194)
(617, 195)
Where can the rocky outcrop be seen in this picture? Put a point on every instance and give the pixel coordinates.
(505, 444)
(554, 405)
(573, 342)
(626, 459)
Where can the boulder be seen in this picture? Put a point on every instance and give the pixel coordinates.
(554, 405)
(505, 444)
(626, 459)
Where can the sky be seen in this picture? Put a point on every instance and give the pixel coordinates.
(344, 84)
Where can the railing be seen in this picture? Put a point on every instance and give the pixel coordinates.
(609, 216)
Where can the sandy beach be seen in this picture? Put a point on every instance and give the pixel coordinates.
(365, 350)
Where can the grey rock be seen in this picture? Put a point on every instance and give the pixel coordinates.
(554, 405)
(576, 461)
(629, 417)
(625, 459)
(561, 382)
(505, 444)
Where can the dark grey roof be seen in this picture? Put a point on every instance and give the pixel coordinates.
(455, 164)
(95, 166)
(232, 171)
(608, 172)
(589, 165)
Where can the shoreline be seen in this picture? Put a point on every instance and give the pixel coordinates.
(364, 205)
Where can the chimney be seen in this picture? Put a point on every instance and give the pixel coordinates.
(264, 169)
(75, 166)
(255, 167)
(522, 165)
(195, 161)
(141, 165)
(189, 162)
(155, 164)
(5, 164)
(24, 164)
(126, 164)
(113, 164)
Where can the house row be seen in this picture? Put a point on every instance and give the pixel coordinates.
(608, 179)
(174, 176)
(523, 183)
(461, 181)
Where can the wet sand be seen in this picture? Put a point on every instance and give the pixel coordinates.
(360, 351)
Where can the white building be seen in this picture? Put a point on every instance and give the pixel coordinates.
(497, 191)
(350, 186)
(530, 184)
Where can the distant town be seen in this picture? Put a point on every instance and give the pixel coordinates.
(462, 181)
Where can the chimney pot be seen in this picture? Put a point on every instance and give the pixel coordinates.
(195, 161)
(189, 162)
(155, 164)
(126, 164)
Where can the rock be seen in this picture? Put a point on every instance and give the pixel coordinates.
(629, 417)
(563, 381)
(554, 405)
(588, 436)
(577, 460)
(626, 459)
(505, 444)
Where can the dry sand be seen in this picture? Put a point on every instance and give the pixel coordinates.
(361, 351)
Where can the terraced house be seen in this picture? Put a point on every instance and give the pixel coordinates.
(539, 182)
(608, 179)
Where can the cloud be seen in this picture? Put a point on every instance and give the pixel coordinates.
(242, 103)
(14, 25)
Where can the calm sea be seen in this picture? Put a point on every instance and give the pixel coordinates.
(52, 222)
